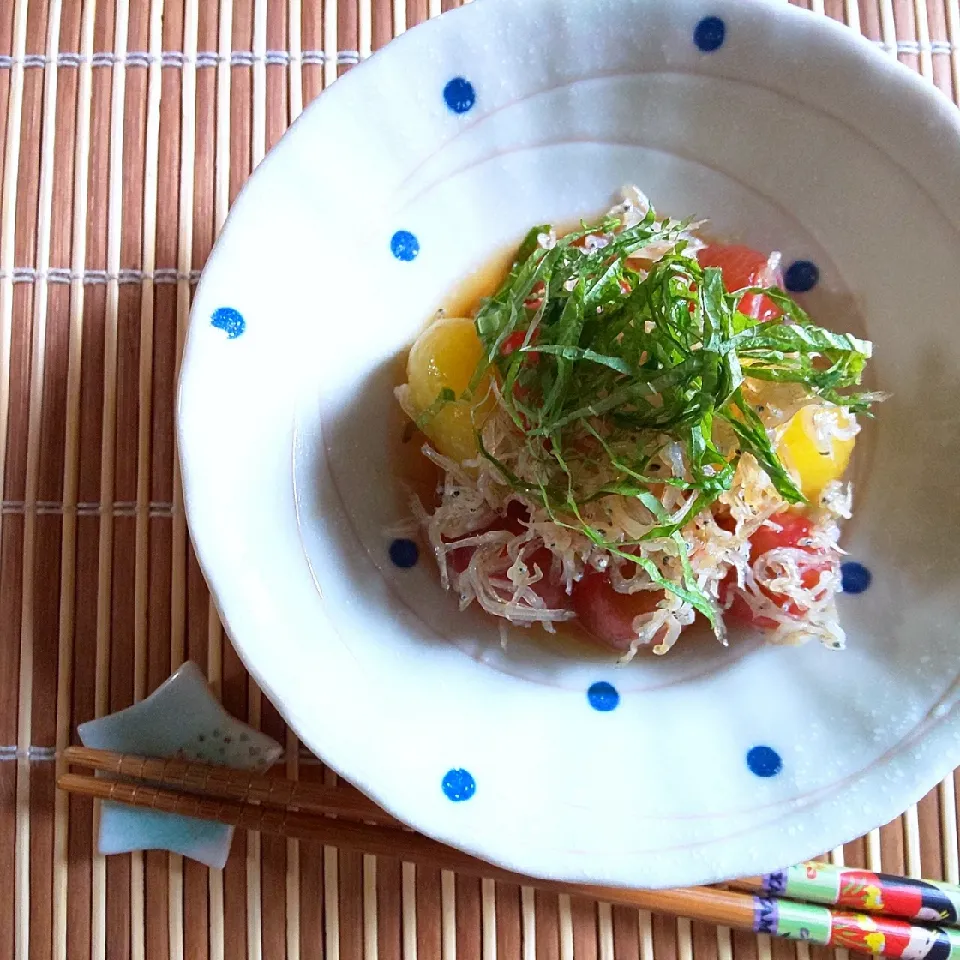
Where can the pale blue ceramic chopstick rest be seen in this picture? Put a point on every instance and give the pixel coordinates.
(181, 718)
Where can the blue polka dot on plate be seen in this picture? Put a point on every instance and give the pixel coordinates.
(459, 785)
(404, 245)
(709, 34)
(229, 320)
(459, 95)
(603, 696)
(764, 761)
(404, 553)
(801, 276)
(854, 577)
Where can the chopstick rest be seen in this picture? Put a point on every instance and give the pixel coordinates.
(181, 718)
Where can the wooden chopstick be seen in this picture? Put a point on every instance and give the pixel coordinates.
(293, 809)
(228, 783)
(718, 906)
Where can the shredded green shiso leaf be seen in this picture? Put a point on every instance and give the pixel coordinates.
(615, 362)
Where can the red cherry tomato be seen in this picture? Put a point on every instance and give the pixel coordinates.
(608, 615)
(515, 520)
(743, 267)
(794, 527)
(510, 345)
(724, 520)
(535, 299)
(548, 588)
(513, 342)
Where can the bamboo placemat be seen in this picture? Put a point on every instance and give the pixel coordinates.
(127, 130)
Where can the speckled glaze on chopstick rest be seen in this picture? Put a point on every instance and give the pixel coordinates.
(524, 755)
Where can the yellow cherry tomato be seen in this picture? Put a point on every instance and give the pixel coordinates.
(446, 355)
(813, 464)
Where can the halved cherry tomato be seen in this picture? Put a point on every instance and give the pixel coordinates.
(512, 343)
(724, 519)
(515, 341)
(535, 299)
(516, 518)
(515, 521)
(742, 267)
(548, 588)
(794, 527)
(608, 615)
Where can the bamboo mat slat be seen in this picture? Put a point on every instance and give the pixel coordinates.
(127, 127)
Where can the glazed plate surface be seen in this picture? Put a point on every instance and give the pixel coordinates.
(411, 172)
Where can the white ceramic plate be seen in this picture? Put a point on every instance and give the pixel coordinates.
(789, 133)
